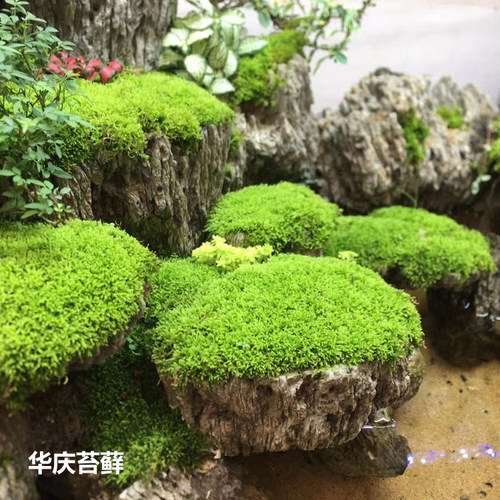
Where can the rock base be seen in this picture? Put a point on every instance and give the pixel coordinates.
(308, 411)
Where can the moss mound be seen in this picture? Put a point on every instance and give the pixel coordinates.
(123, 110)
(253, 81)
(290, 217)
(63, 292)
(128, 412)
(177, 280)
(424, 246)
(291, 313)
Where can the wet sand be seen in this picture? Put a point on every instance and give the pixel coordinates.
(455, 409)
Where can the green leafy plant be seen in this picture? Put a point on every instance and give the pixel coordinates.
(452, 116)
(206, 45)
(31, 103)
(228, 258)
(326, 24)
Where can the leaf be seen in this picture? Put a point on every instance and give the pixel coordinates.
(251, 44)
(29, 213)
(221, 85)
(6, 173)
(169, 58)
(196, 36)
(206, 5)
(176, 37)
(218, 55)
(340, 58)
(231, 64)
(107, 73)
(198, 22)
(264, 19)
(196, 66)
(233, 17)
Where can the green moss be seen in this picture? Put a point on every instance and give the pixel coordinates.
(253, 82)
(237, 138)
(176, 281)
(415, 133)
(426, 247)
(291, 313)
(123, 110)
(127, 411)
(290, 217)
(452, 116)
(494, 151)
(63, 292)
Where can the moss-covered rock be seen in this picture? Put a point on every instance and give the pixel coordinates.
(291, 313)
(290, 217)
(122, 111)
(254, 82)
(64, 292)
(453, 117)
(425, 248)
(154, 163)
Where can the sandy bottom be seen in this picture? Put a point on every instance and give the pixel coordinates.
(456, 411)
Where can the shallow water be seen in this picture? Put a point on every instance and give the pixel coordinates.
(455, 411)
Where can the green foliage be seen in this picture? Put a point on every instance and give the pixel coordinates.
(291, 313)
(327, 26)
(415, 133)
(228, 258)
(128, 412)
(31, 105)
(63, 292)
(452, 116)
(424, 246)
(290, 217)
(176, 281)
(205, 46)
(122, 111)
(255, 82)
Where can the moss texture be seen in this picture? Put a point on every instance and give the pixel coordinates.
(63, 292)
(177, 280)
(291, 313)
(453, 117)
(415, 133)
(424, 246)
(127, 411)
(123, 110)
(290, 217)
(253, 82)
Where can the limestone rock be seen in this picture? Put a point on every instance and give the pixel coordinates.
(163, 200)
(307, 410)
(282, 140)
(469, 319)
(130, 31)
(363, 150)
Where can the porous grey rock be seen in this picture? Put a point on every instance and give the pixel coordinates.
(363, 150)
(162, 200)
(281, 141)
(307, 410)
(469, 319)
(130, 31)
(377, 451)
(217, 482)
